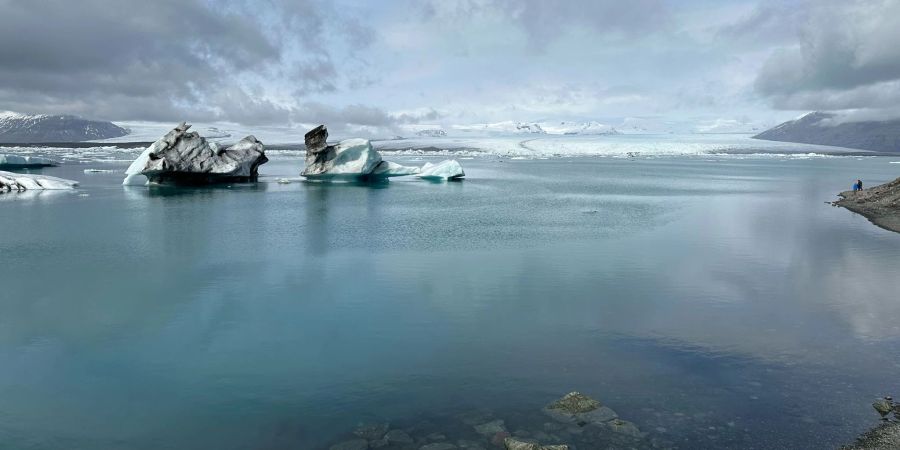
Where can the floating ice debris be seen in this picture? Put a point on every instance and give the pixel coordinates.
(24, 162)
(444, 170)
(19, 182)
(185, 157)
(283, 181)
(99, 171)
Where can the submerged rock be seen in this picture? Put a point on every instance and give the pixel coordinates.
(398, 437)
(574, 403)
(516, 444)
(576, 407)
(490, 428)
(25, 162)
(18, 182)
(354, 444)
(186, 157)
(624, 427)
(372, 432)
(439, 446)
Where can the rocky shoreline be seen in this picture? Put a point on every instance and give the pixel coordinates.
(884, 436)
(574, 421)
(880, 204)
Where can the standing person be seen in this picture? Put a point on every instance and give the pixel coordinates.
(859, 184)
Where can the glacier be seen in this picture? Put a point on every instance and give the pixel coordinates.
(19, 182)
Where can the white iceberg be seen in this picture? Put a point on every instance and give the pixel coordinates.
(18, 182)
(449, 169)
(24, 162)
(350, 160)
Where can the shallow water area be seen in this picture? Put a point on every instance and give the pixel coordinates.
(713, 300)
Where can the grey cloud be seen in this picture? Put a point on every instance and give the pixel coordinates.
(163, 60)
(359, 118)
(767, 23)
(545, 20)
(846, 57)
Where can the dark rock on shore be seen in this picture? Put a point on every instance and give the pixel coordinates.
(880, 204)
(885, 436)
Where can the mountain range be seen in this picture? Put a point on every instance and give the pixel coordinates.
(18, 128)
(824, 128)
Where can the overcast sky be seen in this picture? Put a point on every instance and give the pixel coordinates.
(379, 65)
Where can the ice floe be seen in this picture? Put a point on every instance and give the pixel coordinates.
(18, 182)
(24, 162)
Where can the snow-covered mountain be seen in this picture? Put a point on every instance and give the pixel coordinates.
(23, 128)
(504, 128)
(826, 129)
(546, 127)
(578, 128)
(431, 132)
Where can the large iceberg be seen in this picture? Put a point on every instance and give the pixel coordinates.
(445, 170)
(186, 157)
(19, 182)
(24, 162)
(350, 160)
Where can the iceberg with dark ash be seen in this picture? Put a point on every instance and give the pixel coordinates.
(183, 157)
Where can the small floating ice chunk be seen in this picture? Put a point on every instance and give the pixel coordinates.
(283, 181)
(99, 171)
(24, 182)
(445, 170)
(23, 162)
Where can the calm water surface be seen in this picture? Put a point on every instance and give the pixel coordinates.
(715, 302)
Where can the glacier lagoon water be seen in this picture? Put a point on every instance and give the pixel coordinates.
(713, 301)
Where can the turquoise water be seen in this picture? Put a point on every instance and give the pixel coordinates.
(712, 301)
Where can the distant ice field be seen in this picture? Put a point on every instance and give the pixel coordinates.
(511, 147)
